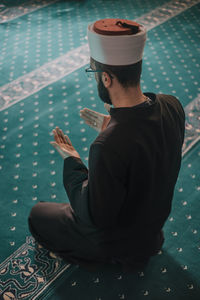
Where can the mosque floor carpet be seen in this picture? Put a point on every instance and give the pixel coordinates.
(43, 55)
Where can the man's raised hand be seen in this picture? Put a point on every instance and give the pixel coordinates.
(63, 144)
(96, 120)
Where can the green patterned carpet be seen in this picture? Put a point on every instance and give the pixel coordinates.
(43, 55)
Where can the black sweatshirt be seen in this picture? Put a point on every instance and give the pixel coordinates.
(133, 168)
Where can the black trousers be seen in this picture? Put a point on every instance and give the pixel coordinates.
(54, 226)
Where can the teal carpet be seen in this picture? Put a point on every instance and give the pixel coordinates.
(43, 54)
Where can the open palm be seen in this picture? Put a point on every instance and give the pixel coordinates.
(96, 120)
(63, 144)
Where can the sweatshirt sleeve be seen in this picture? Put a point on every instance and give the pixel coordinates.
(75, 180)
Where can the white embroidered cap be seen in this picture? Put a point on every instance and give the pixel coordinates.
(116, 42)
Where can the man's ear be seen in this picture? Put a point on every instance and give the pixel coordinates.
(106, 79)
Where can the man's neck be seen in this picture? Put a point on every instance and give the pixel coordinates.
(126, 97)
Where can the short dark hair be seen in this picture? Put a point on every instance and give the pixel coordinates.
(127, 75)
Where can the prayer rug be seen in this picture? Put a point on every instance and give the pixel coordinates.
(43, 54)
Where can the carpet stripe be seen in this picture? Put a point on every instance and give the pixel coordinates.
(40, 278)
(165, 12)
(38, 79)
(192, 127)
(46, 286)
(13, 12)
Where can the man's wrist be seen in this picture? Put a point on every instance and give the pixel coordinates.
(67, 156)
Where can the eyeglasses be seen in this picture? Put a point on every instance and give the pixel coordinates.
(90, 72)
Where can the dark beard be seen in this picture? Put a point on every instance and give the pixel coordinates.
(103, 92)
